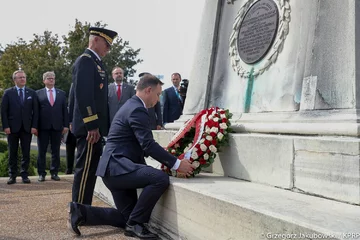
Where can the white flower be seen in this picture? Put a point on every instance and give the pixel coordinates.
(194, 155)
(208, 137)
(220, 136)
(210, 117)
(177, 145)
(222, 115)
(206, 156)
(207, 129)
(186, 149)
(195, 164)
(202, 140)
(173, 151)
(195, 149)
(214, 129)
(223, 126)
(203, 147)
(216, 119)
(213, 148)
(189, 145)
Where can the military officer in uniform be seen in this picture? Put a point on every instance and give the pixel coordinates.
(90, 115)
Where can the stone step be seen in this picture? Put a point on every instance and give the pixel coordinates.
(216, 207)
(327, 166)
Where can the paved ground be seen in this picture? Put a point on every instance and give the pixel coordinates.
(39, 211)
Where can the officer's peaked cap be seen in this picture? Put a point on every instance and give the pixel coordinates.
(107, 34)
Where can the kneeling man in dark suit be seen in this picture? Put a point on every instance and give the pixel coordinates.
(123, 168)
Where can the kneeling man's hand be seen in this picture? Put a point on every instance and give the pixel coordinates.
(186, 167)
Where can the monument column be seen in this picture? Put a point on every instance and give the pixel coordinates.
(280, 66)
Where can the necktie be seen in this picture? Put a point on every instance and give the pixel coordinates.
(178, 94)
(21, 96)
(119, 92)
(51, 97)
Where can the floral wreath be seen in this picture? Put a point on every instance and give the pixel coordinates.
(200, 139)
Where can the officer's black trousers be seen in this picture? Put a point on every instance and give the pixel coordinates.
(87, 160)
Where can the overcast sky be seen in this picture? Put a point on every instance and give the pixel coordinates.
(165, 30)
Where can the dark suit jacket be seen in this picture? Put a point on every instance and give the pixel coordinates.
(90, 94)
(155, 116)
(127, 91)
(14, 115)
(130, 139)
(172, 105)
(68, 137)
(71, 101)
(54, 117)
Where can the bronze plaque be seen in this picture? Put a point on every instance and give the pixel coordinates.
(257, 31)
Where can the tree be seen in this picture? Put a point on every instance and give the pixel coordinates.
(47, 53)
(133, 82)
(43, 53)
(14, 55)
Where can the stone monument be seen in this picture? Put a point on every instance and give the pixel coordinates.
(288, 71)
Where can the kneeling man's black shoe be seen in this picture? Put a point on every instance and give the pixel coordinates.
(140, 231)
(75, 218)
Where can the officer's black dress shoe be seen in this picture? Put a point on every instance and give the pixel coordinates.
(75, 218)
(41, 178)
(11, 180)
(55, 177)
(26, 180)
(140, 231)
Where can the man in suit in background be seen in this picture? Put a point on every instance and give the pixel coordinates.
(90, 121)
(154, 113)
(19, 116)
(69, 138)
(173, 102)
(119, 92)
(124, 170)
(53, 122)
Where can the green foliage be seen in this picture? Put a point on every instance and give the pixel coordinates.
(49, 53)
(3, 146)
(4, 163)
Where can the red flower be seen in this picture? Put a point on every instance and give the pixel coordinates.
(213, 134)
(210, 123)
(207, 142)
(202, 161)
